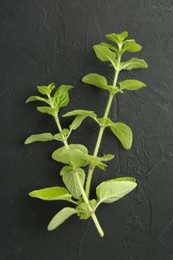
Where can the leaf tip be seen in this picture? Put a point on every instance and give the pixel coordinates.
(26, 141)
(30, 194)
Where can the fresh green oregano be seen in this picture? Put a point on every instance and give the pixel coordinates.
(75, 157)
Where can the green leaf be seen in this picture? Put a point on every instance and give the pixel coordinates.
(97, 161)
(60, 217)
(109, 46)
(131, 84)
(131, 47)
(133, 63)
(123, 133)
(61, 96)
(39, 138)
(104, 54)
(117, 38)
(60, 136)
(48, 110)
(46, 90)
(96, 80)
(69, 178)
(36, 98)
(83, 209)
(74, 155)
(113, 190)
(51, 193)
(77, 122)
(80, 113)
(62, 90)
(105, 122)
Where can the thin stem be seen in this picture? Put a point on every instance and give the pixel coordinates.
(60, 130)
(89, 207)
(101, 131)
(81, 187)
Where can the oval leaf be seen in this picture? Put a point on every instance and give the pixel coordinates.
(51, 193)
(104, 54)
(131, 47)
(74, 155)
(39, 138)
(60, 217)
(131, 84)
(70, 180)
(113, 190)
(109, 46)
(123, 133)
(133, 63)
(48, 110)
(96, 80)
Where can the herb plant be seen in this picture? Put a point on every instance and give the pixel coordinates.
(74, 174)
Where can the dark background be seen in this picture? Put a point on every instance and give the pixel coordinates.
(44, 41)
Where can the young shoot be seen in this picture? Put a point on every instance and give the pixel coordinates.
(75, 157)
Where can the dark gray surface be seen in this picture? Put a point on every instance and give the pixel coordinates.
(51, 41)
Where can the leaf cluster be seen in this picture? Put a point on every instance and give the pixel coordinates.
(76, 157)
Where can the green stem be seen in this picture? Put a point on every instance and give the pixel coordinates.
(81, 187)
(60, 130)
(100, 134)
(93, 215)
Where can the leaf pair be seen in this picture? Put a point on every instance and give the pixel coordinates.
(101, 82)
(120, 130)
(108, 52)
(59, 99)
(107, 192)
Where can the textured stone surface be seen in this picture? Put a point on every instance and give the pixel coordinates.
(51, 41)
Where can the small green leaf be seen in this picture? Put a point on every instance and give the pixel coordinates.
(60, 136)
(97, 161)
(36, 98)
(104, 54)
(60, 217)
(131, 47)
(61, 96)
(96, 80)
(80, 113)
(46, 90)
(74, 155)
(131, 84)
(123, 133)
(117, 38)
(39, 138)
(77, 122)
(113, 190)
(133, 63)
(83, 209)
(48, 110)
(109, 46)
(51, 193)
(69, 178)
(62, 90)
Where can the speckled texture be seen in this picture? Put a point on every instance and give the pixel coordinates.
(51, 41)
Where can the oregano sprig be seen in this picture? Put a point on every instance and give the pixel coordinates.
(75, 156)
